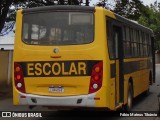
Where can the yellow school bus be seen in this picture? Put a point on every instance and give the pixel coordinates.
(80, 57)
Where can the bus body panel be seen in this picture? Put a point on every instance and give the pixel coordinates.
(71, 68)
(33, 56)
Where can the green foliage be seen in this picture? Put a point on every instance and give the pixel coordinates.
(150, 17)
(130, 9)
(8, 13)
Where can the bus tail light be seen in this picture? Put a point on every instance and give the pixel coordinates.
(19, 78)
(96, 77)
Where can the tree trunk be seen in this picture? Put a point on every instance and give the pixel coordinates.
(87, 2)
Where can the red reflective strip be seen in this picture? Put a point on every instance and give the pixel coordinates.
(23, 96)
(55, 56)
(96, 98)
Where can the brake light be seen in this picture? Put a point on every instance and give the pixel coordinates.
(96, 77)
(19, 78)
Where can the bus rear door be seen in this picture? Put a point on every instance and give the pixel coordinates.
(118, 50)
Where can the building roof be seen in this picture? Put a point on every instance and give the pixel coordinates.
(7, 41)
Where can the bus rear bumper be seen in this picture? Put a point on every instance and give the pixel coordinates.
(72, 101)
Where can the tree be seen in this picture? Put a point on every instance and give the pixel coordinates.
(130, 9)
(150, 17)
(7, 13)
(4, 8)
(108, 4)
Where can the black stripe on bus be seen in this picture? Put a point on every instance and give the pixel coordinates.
(60, 68)
(130, 67)
(113, 70)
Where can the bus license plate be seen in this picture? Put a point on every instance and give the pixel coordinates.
(59, 89)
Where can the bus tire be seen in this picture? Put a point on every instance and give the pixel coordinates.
(129, 104)
(150, 79)
(146, 93)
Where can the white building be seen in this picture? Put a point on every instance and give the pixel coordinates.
(6, 56)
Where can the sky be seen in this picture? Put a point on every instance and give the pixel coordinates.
(148, 2)
(145, 2)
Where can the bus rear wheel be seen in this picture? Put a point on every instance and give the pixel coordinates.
(129, 104)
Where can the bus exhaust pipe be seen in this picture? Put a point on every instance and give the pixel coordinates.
(31, 107)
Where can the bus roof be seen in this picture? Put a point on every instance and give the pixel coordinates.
(59, 8)
(133, 23)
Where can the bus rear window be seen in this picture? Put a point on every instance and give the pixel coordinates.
(58, 28)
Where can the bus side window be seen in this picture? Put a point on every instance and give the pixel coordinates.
(127, 44)
(116, 43)
(110, 40)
